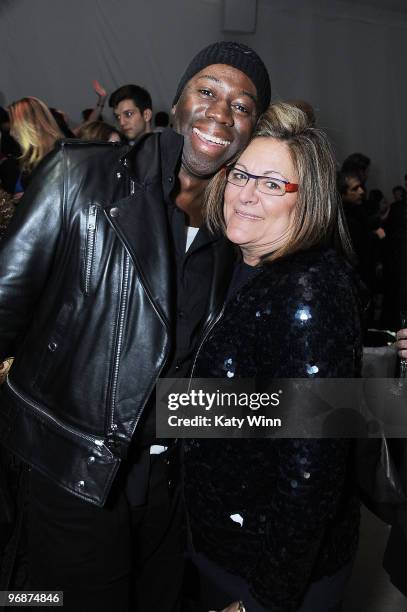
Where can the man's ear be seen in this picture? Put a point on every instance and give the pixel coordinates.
(173, 109)
(147, 114)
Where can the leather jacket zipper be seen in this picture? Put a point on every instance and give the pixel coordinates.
(113, 426)
(204, 337)
(90, 246)
(94, 440)
(119, 343)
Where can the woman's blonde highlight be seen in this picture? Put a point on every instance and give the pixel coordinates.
(35, 130)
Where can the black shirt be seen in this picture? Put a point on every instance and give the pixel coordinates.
(242, 274)
(193, 271)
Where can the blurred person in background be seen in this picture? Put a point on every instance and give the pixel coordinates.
(352, 193)
(399, 194)
(161, 121)
(357, 163)
(61, 119)
(36, 131)
(99, 130)
(89, 115)
(7, 208)
(365, 232)
(9, 152)
(306, 108)
(377, 206)
(394, 270)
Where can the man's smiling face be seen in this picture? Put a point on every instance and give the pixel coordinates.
(216, 114)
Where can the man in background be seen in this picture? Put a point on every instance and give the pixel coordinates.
(132, 108)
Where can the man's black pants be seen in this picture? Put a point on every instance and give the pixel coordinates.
(120, 557)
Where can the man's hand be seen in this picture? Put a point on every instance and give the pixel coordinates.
(401, 343)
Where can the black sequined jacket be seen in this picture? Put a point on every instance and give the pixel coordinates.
(298, 317)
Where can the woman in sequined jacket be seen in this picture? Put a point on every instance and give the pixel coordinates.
(274, 522)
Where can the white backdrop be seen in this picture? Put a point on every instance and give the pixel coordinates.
(347, 59)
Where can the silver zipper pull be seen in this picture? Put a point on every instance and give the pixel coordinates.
(92, 217)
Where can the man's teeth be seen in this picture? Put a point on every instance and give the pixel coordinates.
(210, 138)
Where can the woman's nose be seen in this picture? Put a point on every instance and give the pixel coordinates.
(248, 193)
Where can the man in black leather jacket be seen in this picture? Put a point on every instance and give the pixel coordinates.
(98, 299)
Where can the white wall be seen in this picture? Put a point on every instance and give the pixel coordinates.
(349, 62)
(347, 59)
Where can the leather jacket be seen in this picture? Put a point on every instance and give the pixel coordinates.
(86, 307)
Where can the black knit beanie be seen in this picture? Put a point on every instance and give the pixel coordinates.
(233, 54)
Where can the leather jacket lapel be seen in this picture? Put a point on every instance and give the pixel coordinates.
(147, 243)
(224, 259)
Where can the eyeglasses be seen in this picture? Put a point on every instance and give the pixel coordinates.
(268, 185)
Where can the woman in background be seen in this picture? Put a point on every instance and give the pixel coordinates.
(274, 522)
(36, 131)
(99, 130)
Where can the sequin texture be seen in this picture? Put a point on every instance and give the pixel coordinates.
(297, 497)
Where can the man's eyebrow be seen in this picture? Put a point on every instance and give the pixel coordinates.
(209, 76)
(216, 80)
(250, 95)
